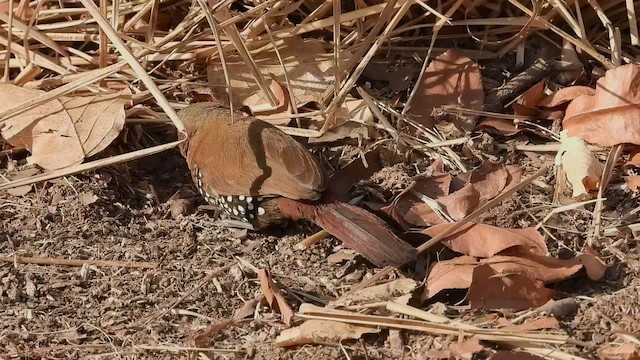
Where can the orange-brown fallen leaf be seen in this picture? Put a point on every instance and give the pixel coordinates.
(62, 132)
(481, 240)
(491, 178)
(465, 349)
(429, 200)
(491, 290)
(450, 79)
(565, 95)
(633, 182)
(418, 212)
(321, 331)
(634, 157)
(527, 102)
(612, 115)
(274, 297)
(458, 272)
(499, 126)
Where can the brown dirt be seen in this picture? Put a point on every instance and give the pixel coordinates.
(72, 312)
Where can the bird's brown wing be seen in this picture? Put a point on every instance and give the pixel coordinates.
(256, 159)
(296, 173)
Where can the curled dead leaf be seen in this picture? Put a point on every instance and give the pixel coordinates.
(382, 292)
(274, 297)
(527, 102)
(582, 168)
(633, 182)
(565, 95)
(276, 115)
(481, 240)
(489, 179)
(634, 157)
(321, 331)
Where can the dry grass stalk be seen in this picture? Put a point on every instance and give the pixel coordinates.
(308, 311)
(612, 159)
(532, 348)
(71, 262)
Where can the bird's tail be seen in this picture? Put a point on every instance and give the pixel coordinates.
(358, 229)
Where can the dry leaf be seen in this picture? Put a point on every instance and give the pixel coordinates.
(98, 119)
(342, 181)
(276, 115)
(457, 273)
(310, 69)
(88, 198)
(534, 325)
(593, 264)
(346, 130)
(515, 175)
(565, 95)
(617, 351)
(450, 79)
(633, 182)
(490, 290)
(504, 127)
(527, 102)
(350, 120)
(321, 331)
(612, 115)
(489, 179)
(341, 256)
(466, 348)
(634, 157)
(382, 292)
(22, 190)
(481, 240)
(62, 132)
(410, 208)
(274, 297)
(205, 338)
(456, 205)
(455, 196)
(582, 168)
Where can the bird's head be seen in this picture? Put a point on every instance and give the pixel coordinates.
(196, 115)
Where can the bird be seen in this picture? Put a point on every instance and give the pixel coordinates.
(255, 173)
